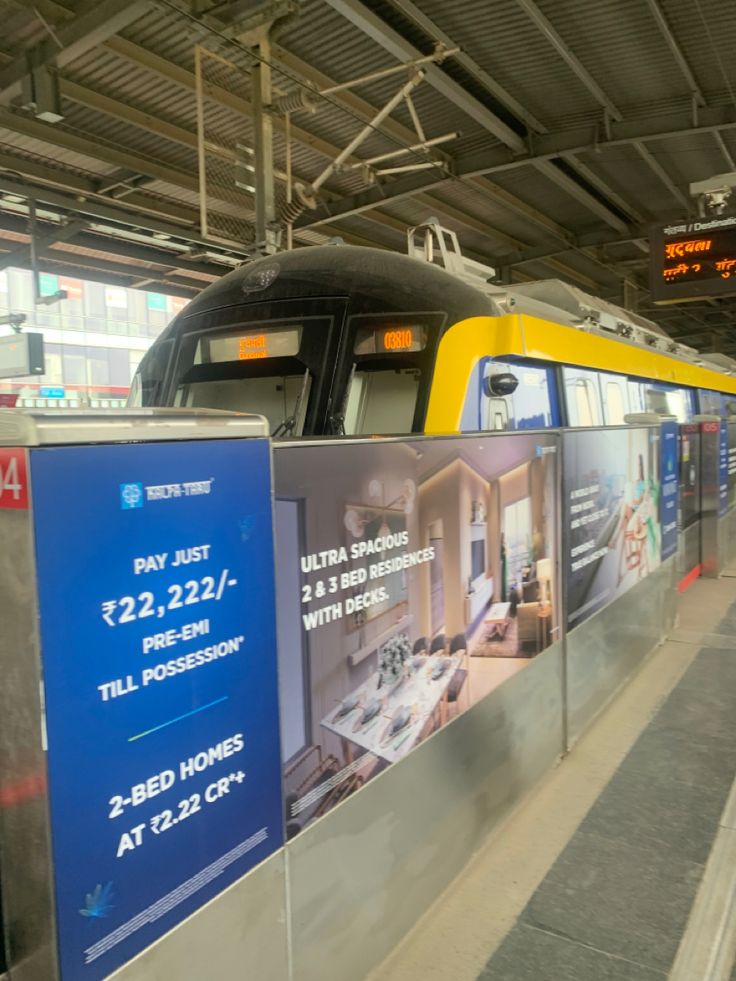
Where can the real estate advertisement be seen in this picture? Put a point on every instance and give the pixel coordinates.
(611, 493)
(413, 577)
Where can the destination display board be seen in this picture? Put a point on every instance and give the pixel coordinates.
(693, 259)
(158, 646)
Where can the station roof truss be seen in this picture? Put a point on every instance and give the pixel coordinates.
(547, 134)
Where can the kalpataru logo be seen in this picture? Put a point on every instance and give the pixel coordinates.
(135, 495)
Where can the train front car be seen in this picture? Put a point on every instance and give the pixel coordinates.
(326, 340)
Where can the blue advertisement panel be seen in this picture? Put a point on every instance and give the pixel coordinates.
(611, 492)
(669, 470)
(723, 469)
(157, 618)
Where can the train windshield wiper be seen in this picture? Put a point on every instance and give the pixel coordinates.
(337, 421)
(287, 427)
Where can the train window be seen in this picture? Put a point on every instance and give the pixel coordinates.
(711, 403)
(667, 401)
(148, 381)
(637, 395)
(384, 363)
(531, 404)
(613, 403)
(280, 398)
(381, 401)
(274, 367)
(583, 399)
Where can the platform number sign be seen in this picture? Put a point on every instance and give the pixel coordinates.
(13, 479)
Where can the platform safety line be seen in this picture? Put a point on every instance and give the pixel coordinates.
(708, 946)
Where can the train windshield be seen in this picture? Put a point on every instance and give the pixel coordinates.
(387, 356)
(270, 368)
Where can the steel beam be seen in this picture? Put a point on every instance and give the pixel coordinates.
(486, 162)
(656, 167)
(676, 50)
(261, 88)
(24, 253)
(603, 186)
(379, 31)
(573, 62)
(117, 268)
(731, 163)
(106, 277)
(97, 150)
(503, 197)
(643, 128)
(551, 171)
(413, 13)
(280, 56)
(94, 21)
(102, 211)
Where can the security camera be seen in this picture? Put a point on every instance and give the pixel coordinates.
(717, 200)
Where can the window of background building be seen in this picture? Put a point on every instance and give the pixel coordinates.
(20, 291)
(98, 366)
(137, 313)
(95, 311)
(54, 373)
(119, 362)
(116, 304)
(75, 365)
(157, 313)
(48, 316)
(72, 308)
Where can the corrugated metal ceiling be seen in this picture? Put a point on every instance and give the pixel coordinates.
(618, 42)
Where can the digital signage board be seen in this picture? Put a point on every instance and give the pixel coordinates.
(693, 258)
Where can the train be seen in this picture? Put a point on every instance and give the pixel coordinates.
(340, 340)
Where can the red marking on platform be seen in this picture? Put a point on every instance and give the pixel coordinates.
(13, 479)
(26, 788)
(689, 579)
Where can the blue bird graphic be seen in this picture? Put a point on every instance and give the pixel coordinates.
(97, 904)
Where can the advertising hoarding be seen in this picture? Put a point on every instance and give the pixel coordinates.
(723, 469)
(611, 493)
(670, 478)
(160, 683)
(413, 578)
(731, 463)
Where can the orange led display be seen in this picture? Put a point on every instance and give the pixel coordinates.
(253, 346)
(679, 250)
(398, 340)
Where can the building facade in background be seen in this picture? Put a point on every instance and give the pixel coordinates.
(93, 340)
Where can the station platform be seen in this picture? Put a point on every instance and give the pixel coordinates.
(621, 864)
